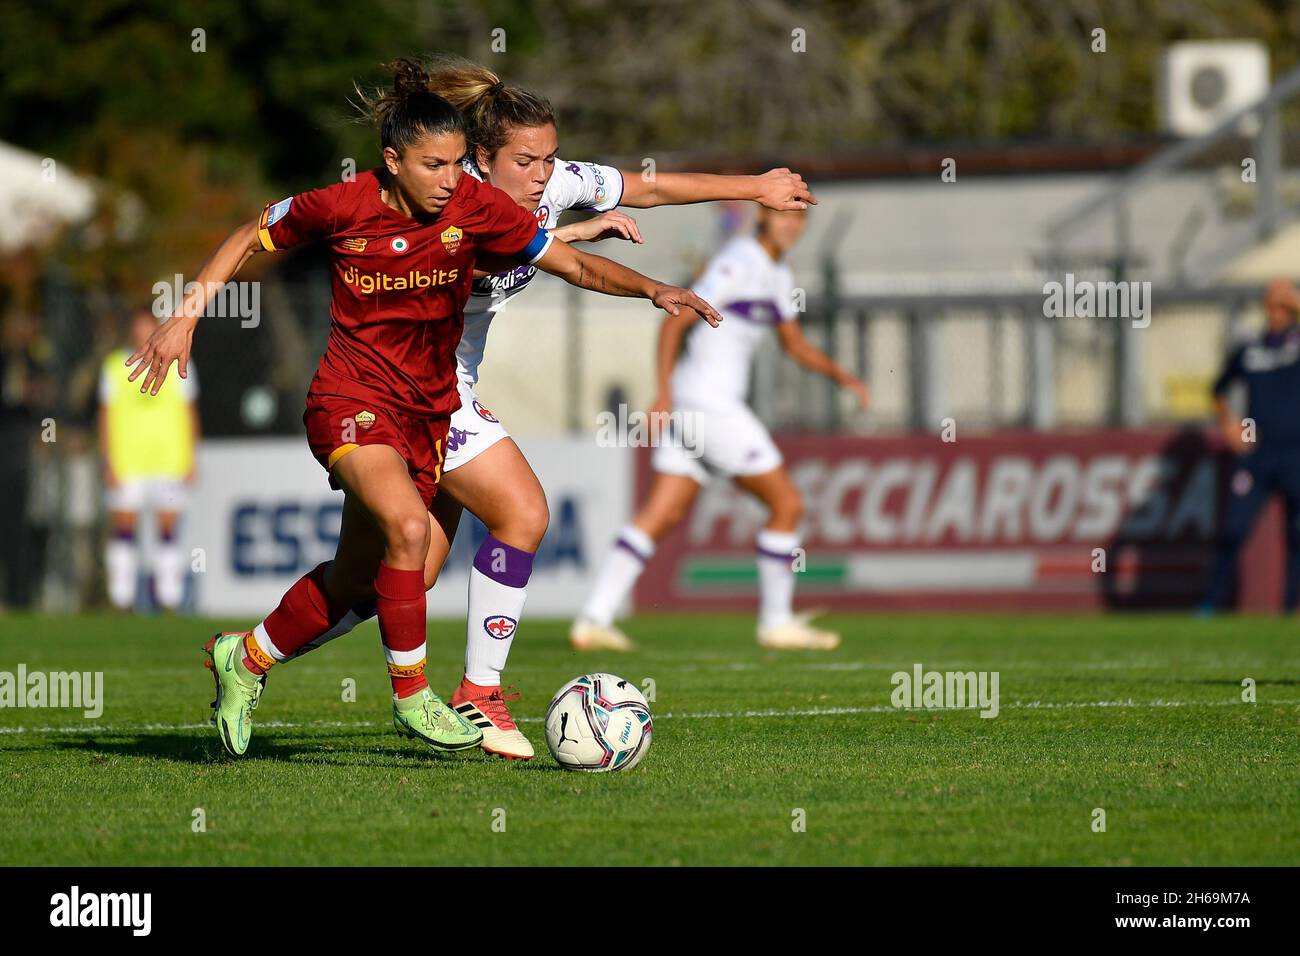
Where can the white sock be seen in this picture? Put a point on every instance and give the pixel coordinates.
(123, 568)
(631, 552)
(776, 577)
(494, 611)
(263, 640)
(498, 588)
(169, 574)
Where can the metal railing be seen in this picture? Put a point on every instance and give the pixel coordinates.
(1022, 344)
(1117, 200)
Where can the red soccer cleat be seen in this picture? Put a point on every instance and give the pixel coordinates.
(485, 708)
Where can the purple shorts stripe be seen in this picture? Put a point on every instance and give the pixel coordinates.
(775, 555)
(518, 564)
(627, 546)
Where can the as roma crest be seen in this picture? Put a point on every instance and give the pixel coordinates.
(451, 239)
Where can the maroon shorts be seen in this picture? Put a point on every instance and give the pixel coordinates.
(338, 425)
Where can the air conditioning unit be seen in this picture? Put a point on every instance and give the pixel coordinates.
(1202, 82)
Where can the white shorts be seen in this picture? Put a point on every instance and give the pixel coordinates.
(148, 494)
(725, 441)
(473, 430)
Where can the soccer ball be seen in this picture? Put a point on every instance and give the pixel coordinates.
(598, 722)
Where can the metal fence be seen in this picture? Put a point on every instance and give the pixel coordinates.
(1211, 232)
(998, 361)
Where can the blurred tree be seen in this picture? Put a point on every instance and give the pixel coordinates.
(729, 76)
(193, 113)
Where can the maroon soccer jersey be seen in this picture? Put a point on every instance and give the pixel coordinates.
(399, 284)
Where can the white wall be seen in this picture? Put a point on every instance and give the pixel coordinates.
(263, 515)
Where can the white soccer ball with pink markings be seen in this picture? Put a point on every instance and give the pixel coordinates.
(598, 722)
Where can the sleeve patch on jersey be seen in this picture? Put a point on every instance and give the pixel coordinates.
(622, 186)
(277, 212)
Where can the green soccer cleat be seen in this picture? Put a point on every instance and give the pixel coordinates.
(425, 717)
(238, 691)
(261, 681)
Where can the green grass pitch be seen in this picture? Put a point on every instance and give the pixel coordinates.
(1140, 716)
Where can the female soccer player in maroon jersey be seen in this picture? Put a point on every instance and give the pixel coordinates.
(513, 145)
(403, 240)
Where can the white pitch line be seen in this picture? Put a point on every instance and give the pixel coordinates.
(93, 730)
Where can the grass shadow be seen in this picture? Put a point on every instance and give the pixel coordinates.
(191, 749)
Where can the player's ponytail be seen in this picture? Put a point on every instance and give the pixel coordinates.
(492, 108)
(409, 110)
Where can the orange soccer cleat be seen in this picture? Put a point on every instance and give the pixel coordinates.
(485, 708)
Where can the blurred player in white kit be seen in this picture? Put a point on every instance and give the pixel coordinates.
(753, 288)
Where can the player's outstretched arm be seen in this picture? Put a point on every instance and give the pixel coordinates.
(606, 276)
(671, 332)
(796, 345)
(171, 342)
(608, 225)
(775, 189)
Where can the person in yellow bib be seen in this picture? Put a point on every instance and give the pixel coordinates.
(147, 444)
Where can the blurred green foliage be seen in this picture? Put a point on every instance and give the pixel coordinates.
(119, 90)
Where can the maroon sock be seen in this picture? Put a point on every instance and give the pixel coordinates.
(400, 603)
(304, 614)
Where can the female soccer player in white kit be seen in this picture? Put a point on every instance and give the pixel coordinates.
(752, 287)
(514, 148)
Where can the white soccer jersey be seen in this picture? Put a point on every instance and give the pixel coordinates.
(754, 293)
(571, 186)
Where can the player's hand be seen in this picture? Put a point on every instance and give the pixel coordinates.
(672, 300)
(662, 403)
(169, 343)
(782, 189)
(608, 225)
(1233, 438)
(859, 388)
(110, 479)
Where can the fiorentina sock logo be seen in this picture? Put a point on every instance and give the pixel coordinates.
(500, 626)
